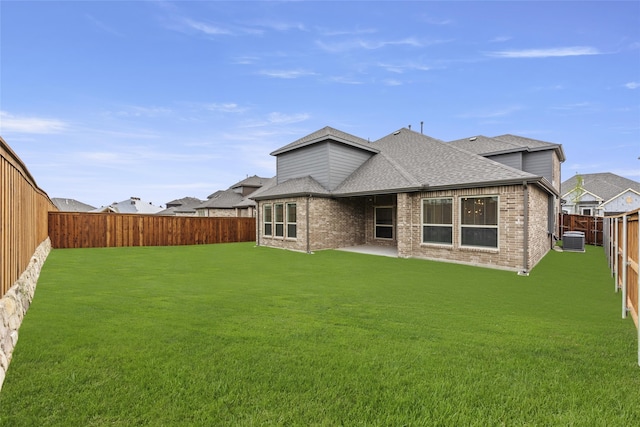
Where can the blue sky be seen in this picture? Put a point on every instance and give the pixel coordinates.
(167, 99)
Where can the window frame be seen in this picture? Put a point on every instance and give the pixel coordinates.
(426, 225)
(463, 227)
(277, 223)
(376, 225)
(266, 223)
(290, 223)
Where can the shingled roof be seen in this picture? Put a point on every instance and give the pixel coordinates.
(507, 143)
(405, 161)
(324, 134)
(605, 185)
(410, 161)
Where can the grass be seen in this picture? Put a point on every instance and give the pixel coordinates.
(240, 335)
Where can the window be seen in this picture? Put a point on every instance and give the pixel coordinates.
(479, 221)
(384, 222)
(279, 219)
(437, 221)
(586, 211)
(268, 221)
(291, 220)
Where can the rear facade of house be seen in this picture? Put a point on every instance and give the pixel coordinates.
(427, 198)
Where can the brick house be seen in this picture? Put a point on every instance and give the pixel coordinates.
(233, 202)
(482, 201)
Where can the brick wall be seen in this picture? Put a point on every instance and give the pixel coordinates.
(339, 223)
(540, 241)
(510, 252)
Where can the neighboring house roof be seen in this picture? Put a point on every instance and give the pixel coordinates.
(252, 181)
(132, 205)
(184, 205)
(323, 135)
(507, 143)
(410, 161)
(71, 205)
(222, 200)
(267, 183)
(605, 185)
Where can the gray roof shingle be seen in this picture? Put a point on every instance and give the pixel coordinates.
(507, 143)
(324, 134)
(605, 185)
(303, 186)
(409, 160)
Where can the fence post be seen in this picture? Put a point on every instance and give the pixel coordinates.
(616, 260)
(638, 286)
(625, 254)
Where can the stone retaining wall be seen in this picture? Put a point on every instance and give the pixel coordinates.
(15, 303)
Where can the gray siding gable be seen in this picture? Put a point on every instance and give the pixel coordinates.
(539, 163)
(327, 162)
(513, 160)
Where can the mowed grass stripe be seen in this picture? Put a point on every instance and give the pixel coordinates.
(234, 334)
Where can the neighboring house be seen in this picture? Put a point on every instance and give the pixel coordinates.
(599, 194)
(182, 207)
(71, 205)
(428, 198)
(133, 205)
(233, 202)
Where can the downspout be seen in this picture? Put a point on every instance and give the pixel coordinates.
(308, 233)
(525, 256)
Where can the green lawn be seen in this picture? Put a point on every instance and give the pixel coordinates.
(234, 334)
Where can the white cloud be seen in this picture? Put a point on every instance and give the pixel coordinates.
(401, 68)
(277, 119)
(347, 45)
(39, 125)
(632, 85)
(574, 106)
(546, 53)
(392, 82)
(286, 74)
(229, 107)
(206, 28)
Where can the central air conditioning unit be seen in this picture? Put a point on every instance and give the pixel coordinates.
(573, 241)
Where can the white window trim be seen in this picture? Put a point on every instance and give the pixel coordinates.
(497, 226)
(424, 224)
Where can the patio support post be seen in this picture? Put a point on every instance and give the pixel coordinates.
(624, 266)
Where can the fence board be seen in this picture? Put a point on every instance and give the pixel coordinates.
(91, 230)
(23, 217)
(591, 226)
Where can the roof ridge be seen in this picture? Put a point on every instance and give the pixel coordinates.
(405, 174)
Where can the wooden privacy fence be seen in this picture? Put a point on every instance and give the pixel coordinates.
(622, 248)
(98, 230)
(591, 226)
(23, 217)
